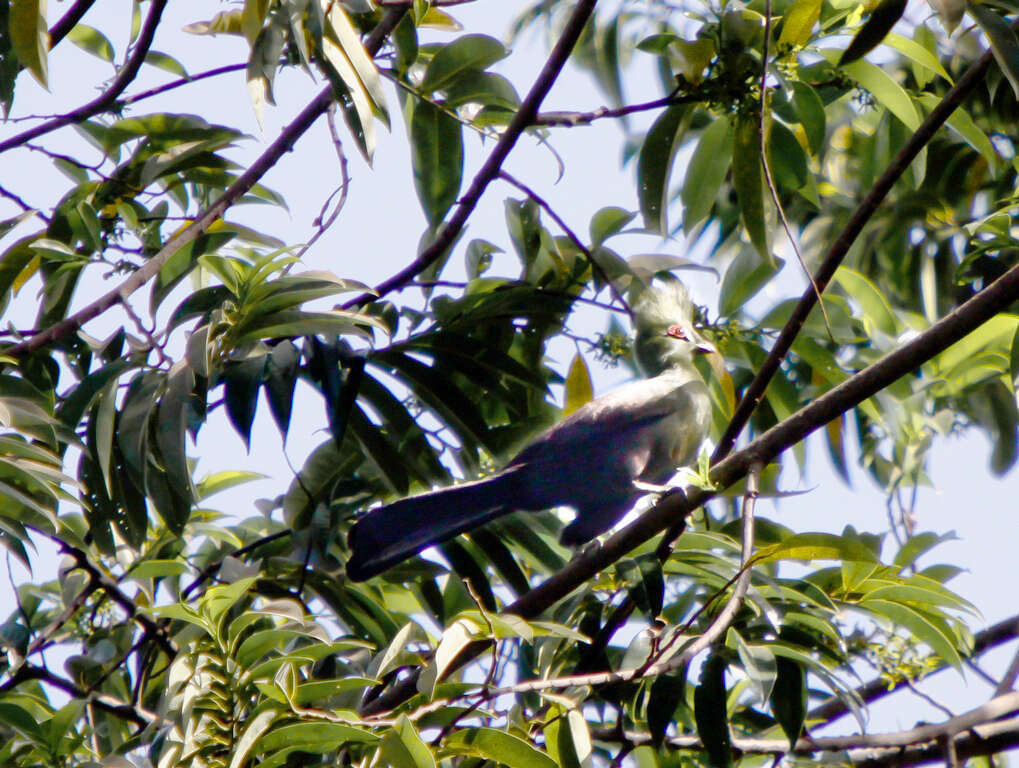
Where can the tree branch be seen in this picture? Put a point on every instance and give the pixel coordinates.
(66, 22)
(105, 100)
(283, 144)
(925, 743)
(523, 119)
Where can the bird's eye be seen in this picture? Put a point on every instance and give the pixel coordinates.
(677, 332)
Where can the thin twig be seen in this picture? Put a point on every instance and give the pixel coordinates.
(595, 266)
(322, 221)
(127, 100)
(572, 119)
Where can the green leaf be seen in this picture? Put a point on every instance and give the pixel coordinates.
(281, 381)
(787, 158)
(578, 385)
(498, 747)
(313, 737)
(916, 53)
(30, 39)
(485, 88)
(798, 22)
(166, 63)
(758, 663)
(92, 40)
(158, 569)
(666, 694)
(608, 222)
(403, 747)
(923, 626)
(884, 16)
(884, 89)
(241, 382)
(748, 181)
(654, 166)
(746, 275)
(789, 698)
(465, 54)
(1004, 44)
(437, 156)
(816, 546)
(709, 708)
(876, 310)
(708, 167)
(254, 728)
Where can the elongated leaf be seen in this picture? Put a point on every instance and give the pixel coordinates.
(1004, 44)
(29, 37)
(748, 181)
(710, 713)
(789, 698)
(498, 747)
(578, 385)
(884, 16)
(403, 747)
(816, 546)
(883, 87)
(798, 22)
(654, 166)
(367, 75)
(923, 627)
(242, 380)
(437, 156)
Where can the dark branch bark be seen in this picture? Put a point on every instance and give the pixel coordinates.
(66, 22)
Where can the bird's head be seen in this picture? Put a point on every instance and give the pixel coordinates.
(663, 320)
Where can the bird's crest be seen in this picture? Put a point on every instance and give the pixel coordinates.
(662, 305)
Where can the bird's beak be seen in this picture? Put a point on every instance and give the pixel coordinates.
(705, 347)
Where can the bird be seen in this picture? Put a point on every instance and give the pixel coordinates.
(600, 460)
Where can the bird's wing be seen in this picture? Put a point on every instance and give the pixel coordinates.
(614, 415)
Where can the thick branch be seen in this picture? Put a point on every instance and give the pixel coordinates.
(522, 120)
(923, 744)
(283, 144)
(66, 22)
(837, 252)
(106, 99)
(867, 383)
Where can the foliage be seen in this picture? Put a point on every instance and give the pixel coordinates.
(193, 638)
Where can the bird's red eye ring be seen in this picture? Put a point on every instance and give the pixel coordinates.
(677, 332)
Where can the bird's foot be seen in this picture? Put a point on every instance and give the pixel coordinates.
(640, 485)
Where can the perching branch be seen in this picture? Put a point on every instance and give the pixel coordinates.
(838, 250)
(283, 144)
(953, 327)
